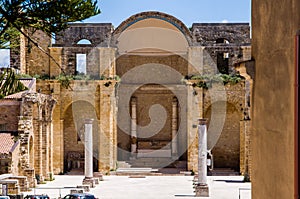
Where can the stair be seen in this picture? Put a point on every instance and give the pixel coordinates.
(76, 172)
(151, 166)
(224, 172)
(151, 162)
(123, 164)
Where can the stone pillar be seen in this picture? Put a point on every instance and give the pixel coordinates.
(174, 128)
(51, 150)
(88, 148)
(107, 131)
(46, 148)
(40, 147)
(202, 186)
(133, 128)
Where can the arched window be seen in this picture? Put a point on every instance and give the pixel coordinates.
(84, 41)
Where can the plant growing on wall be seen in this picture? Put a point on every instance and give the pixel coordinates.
(206, 81)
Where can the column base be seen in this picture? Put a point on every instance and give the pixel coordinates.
(98, 175)
(201, 190)
(89, 181)
(175, 157)
(133, 157)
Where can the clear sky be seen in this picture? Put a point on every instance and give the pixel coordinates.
(188, 11)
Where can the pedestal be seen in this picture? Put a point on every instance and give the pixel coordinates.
(201, 190)
(89, 181)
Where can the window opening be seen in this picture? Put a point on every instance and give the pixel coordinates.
(80, 64)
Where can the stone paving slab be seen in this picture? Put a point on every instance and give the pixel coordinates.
(150, 187)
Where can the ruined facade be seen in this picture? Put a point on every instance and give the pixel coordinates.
(142, 92)
(27, 116)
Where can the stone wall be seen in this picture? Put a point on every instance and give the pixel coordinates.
(206, 34)
(226, 152)
(96, 33)
(34, 60)
(9, 113)
(127, 62)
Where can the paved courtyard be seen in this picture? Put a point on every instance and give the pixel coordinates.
(150, 187)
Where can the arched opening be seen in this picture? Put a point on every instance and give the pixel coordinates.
(154, 136)
(74, 118)
(84, 41)
(152, 132)
(226, 152)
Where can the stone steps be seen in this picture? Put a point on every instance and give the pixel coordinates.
(152, 162)
(137, 171)
(76, 172)
(123, 164)
(151, 166)
(224, 172)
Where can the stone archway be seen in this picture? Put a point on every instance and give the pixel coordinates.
(73, 134)
(151, 68)
(226, 152)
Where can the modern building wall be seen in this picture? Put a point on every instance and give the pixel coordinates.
(274, 26)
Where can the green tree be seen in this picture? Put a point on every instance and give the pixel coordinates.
(10, 84)
(50, 16)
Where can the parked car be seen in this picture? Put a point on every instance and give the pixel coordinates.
(37, 197)
(79, 196)
(4, 197)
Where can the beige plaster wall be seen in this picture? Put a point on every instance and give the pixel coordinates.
(274, 25)
(155, 34)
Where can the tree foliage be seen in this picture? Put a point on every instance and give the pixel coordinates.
(10, 84)
(50, 16)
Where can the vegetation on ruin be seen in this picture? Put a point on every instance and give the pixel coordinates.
(10, 84)
(206, 80)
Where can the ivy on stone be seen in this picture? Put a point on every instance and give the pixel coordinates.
(206, 80)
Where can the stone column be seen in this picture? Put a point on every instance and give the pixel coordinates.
(88, 158)
(40, 146)
(133, 128)
(51, 150)
(202, 186)
(174, 129)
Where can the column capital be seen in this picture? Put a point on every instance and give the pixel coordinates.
(88, 121)
(202, 121)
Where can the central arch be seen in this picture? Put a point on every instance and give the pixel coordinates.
(155, 15)
(152, 49)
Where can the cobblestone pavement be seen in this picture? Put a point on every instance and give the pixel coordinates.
(150, 187)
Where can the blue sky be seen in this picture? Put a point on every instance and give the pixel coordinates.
(188, 11)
